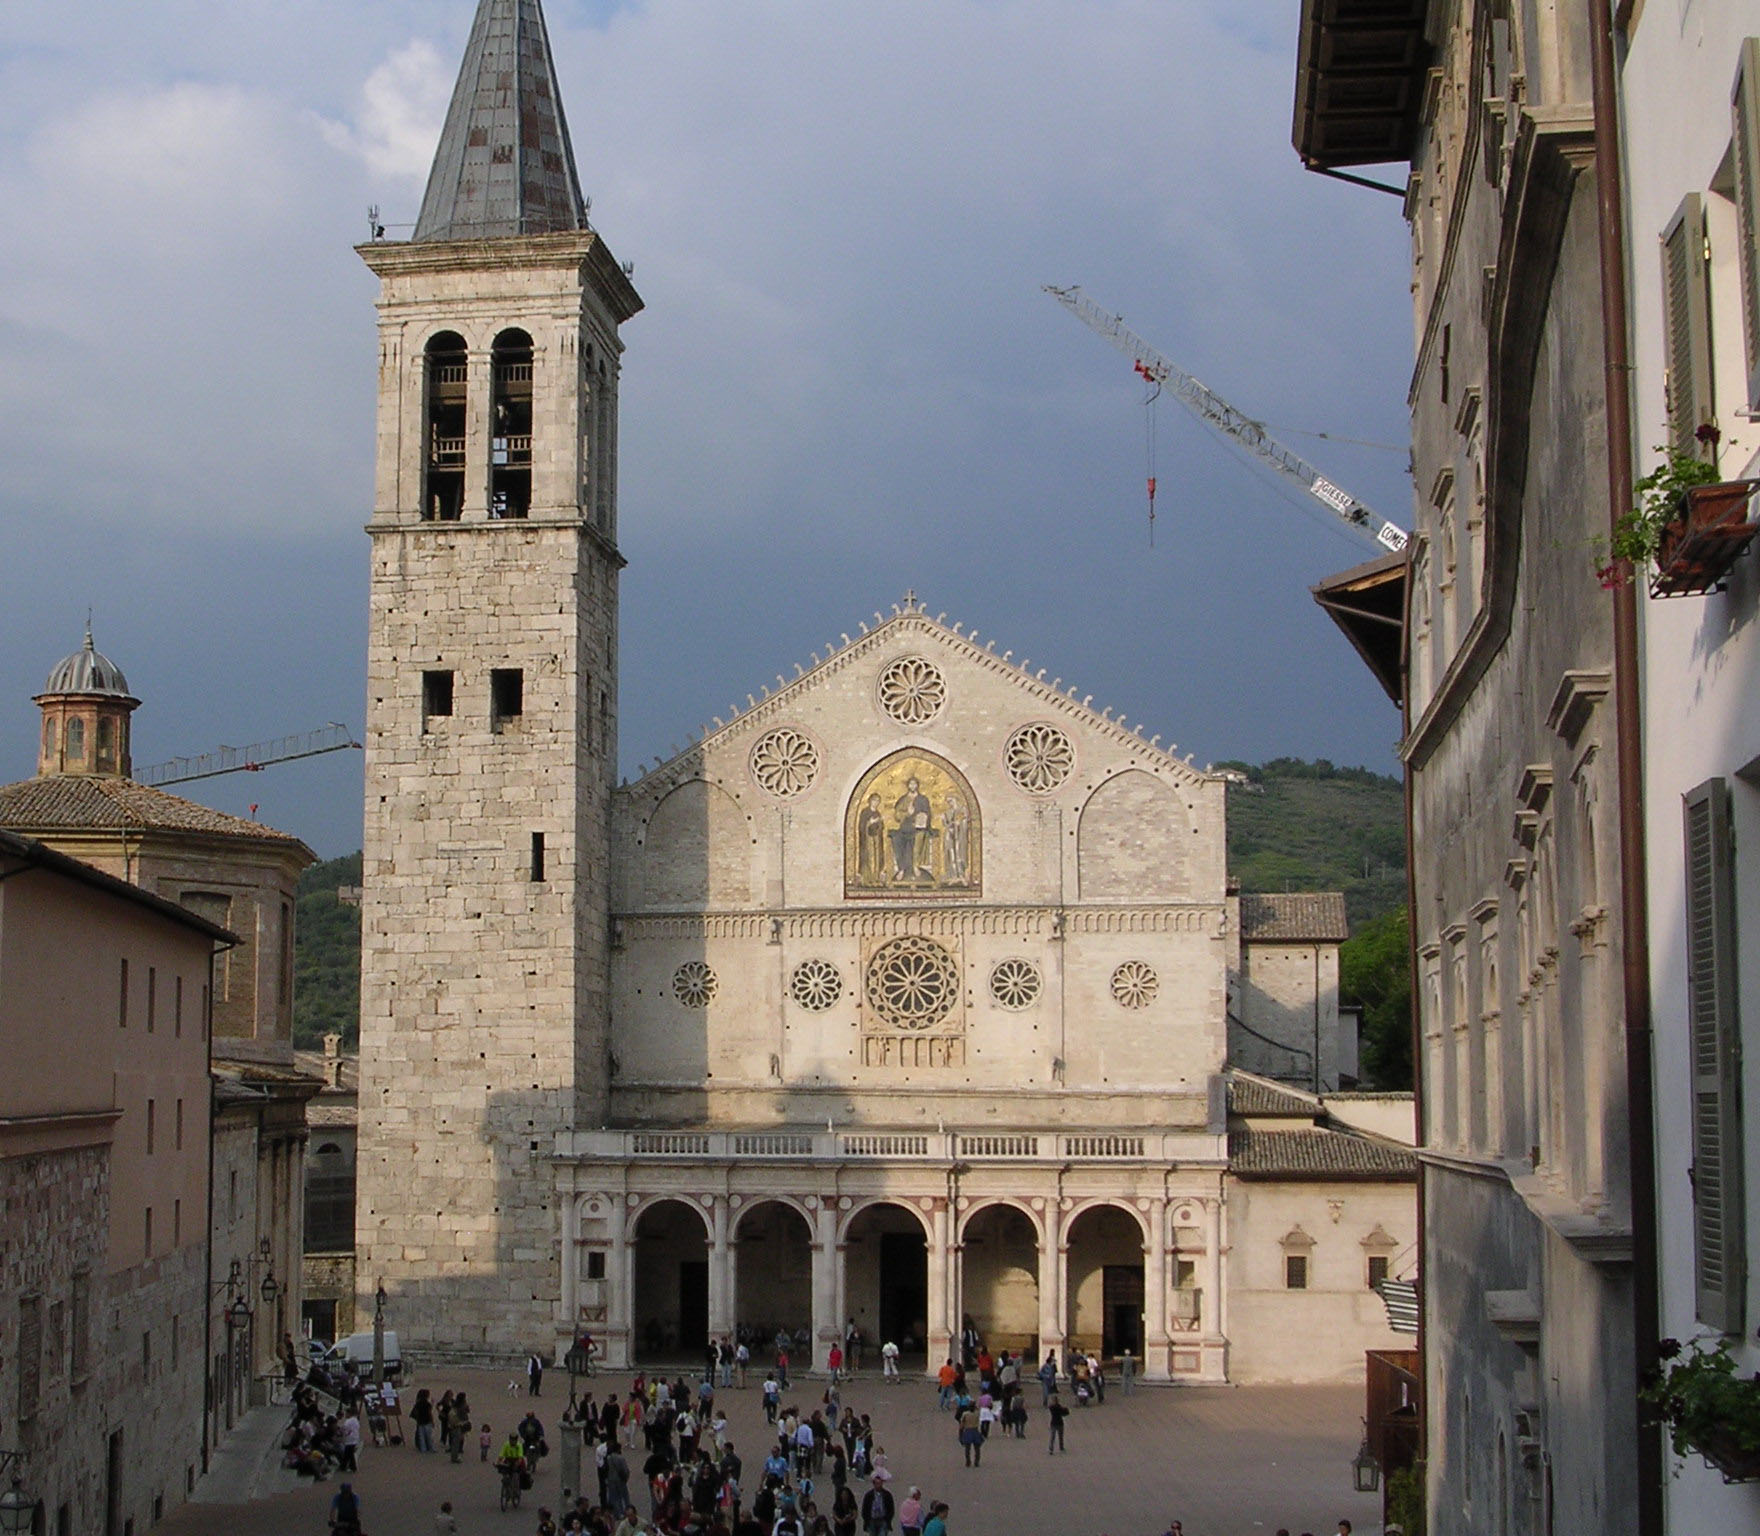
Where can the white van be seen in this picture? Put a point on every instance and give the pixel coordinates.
(356, 1351)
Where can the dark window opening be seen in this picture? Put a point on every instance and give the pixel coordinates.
(106, 744)
(537, 856)
(1377, 1269)
(507, 696)
(510, 425)
(1295, 1271)
(436, 696)
(595, 1265)
(448, 372)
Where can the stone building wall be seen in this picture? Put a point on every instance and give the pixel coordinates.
(1318, 1331)
(471, 935)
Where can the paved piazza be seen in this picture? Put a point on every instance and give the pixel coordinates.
(1227, 1461)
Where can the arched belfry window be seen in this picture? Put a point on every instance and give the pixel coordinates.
(447, 379)
(510, 435)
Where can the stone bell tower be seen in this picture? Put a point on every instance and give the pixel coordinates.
(491, 713)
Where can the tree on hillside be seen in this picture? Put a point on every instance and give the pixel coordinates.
(1374, 971)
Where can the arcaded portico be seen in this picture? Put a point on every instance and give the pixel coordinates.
(676, 1237)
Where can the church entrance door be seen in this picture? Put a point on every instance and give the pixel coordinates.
(1105, 1281)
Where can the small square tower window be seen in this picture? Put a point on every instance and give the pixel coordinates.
(507, 696)
(436, 696)
(1295, 1271)
(1377, 1269)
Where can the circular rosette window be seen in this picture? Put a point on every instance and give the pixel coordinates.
(912, 690)
(912, 982)
(1134, 984)
(694, 984)
(1015, 984)
(1039, 758)
(815, 985)
(785, 762)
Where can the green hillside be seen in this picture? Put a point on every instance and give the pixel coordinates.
(327, 956)
(1310, 826)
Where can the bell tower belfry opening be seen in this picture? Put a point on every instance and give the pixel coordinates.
(491, 711)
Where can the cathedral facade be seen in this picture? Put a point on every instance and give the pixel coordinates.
(903, 1001)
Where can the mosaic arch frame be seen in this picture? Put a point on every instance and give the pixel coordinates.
(913, 829)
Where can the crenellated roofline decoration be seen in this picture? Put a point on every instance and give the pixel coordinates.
(909, 616)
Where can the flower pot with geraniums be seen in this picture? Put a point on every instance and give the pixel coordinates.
(1688, 524)
(1709, 1409)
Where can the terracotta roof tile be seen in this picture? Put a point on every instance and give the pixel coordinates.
(1249, 1095)
(1317, 1154)
(1294, 917)
(77, 803)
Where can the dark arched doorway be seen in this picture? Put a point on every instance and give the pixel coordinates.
(886, 1280)
(1105, 1282)
(671, 1304)
(999, 1278)
(773, 1271)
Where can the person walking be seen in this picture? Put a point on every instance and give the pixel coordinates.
(971, 1435)
(834, 1361)
(877, 1510)
(350, 1432)
(910, 1513)
(534, 1374)
(742, 1360)
(937, 1522)
(1047, 1379)
(1058, 1413)
(889, 1361)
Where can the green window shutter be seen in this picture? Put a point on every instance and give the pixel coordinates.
(1687, 327)
(1745, 141)
(1719, 1245)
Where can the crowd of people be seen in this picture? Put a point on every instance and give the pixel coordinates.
(659, 1459)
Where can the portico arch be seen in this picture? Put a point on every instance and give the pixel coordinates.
(772, 1269)
(884, 1249)
(1104, 1286)
(669, 1239)
(1000, 1243)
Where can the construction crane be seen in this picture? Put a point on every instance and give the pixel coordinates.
(1211, 408)
(252, 759)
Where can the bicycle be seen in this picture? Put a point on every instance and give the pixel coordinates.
(509, 1488)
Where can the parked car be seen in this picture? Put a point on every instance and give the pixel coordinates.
(356, 1352)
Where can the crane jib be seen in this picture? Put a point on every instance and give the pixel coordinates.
(1340, 501)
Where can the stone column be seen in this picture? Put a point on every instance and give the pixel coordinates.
(940, 1340)
(1051, 1255)
(720, 1271)
(1210, 1308)
(827, 1277)
(620, 1316)
(1155, 1295)
(568, 1324)
(480, 385)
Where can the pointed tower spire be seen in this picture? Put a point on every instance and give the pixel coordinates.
(504, 165)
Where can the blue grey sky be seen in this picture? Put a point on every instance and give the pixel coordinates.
(846, 384)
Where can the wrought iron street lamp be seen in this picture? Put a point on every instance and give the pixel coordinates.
(1365, 1468)
(18, 1510)
(379, 1300)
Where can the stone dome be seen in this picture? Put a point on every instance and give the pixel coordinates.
(87, 671)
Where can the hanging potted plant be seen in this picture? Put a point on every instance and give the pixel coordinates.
(1688, 524)
(1708, 1408)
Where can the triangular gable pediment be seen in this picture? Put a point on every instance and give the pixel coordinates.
(911, 630)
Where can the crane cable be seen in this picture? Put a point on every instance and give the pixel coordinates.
(1152, 393)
